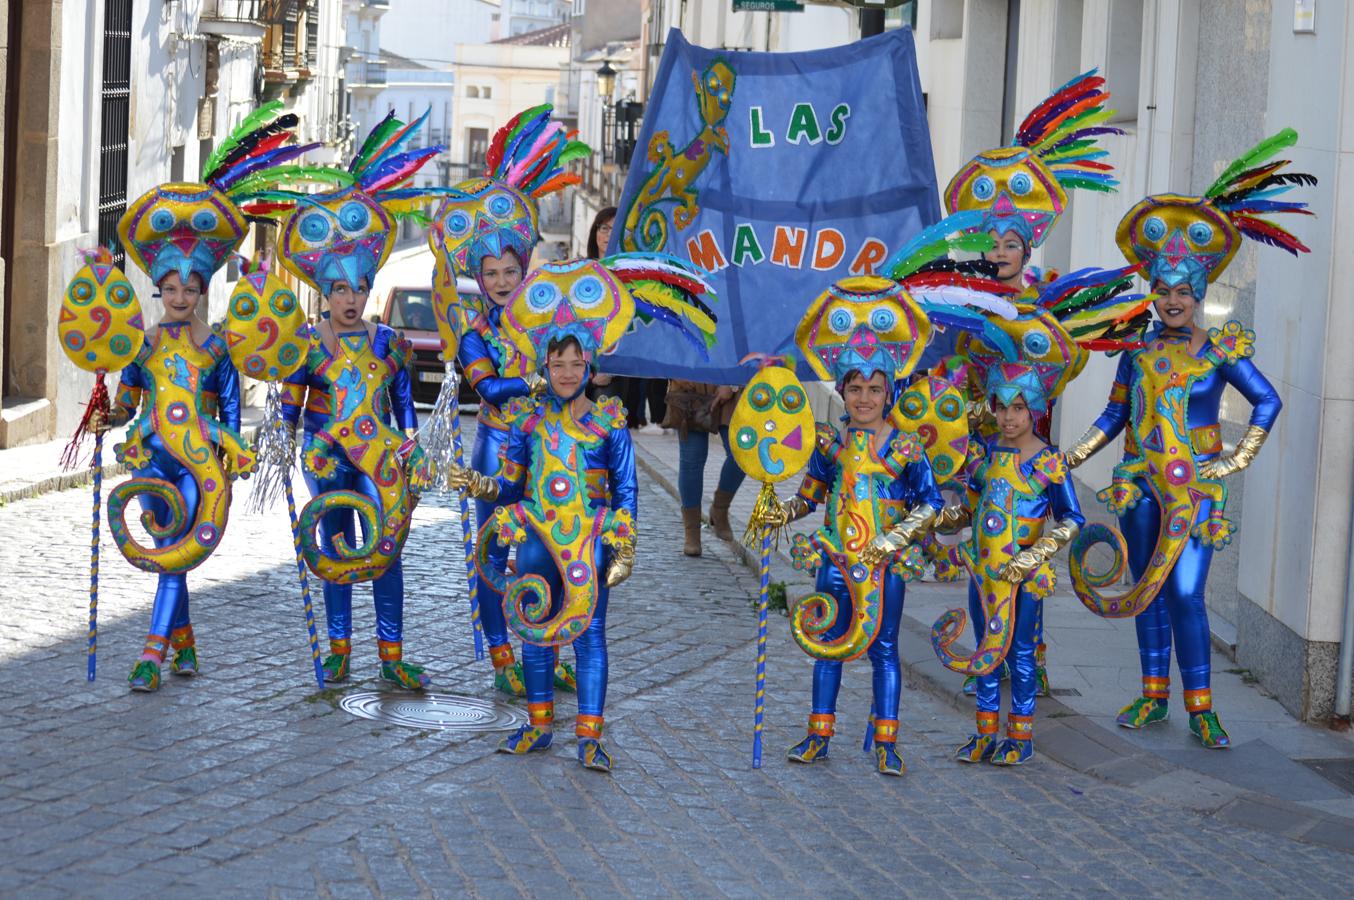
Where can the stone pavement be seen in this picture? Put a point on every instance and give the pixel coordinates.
(247, 781)
(1269, 777)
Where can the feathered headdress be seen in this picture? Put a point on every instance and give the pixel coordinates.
(346, 234)
(871, 324)
(1049, 342)
(194, 227)
(595, 302)
(1023, 187)
(497, 213)
(1192, 239)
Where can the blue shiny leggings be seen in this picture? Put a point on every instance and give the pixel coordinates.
(484, 459)
(338, 598)
(538, 663)
(170, 611)
(1179, 608)
(883, 653)
(1020, 658)
(691, 455)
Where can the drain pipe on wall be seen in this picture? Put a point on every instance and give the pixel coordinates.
(1345, 670)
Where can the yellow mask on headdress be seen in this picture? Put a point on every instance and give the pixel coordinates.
(189, 228)
(579, 298)
(866, 324)
(342, 235)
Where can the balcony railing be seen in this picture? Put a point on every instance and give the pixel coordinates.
(233, 10)
(364, 73)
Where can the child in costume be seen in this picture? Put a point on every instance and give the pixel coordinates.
(489, 233)
(184, 445)
(1020, 483)
(1169, 491)
(354, 383)
(1022, 190)
(566, 484)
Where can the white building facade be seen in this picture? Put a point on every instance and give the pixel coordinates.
(1196, 85)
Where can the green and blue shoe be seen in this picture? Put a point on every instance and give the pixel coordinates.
(887, 758)
(1011, 752)
(1206, 727)
(335, 668)
(565, 679)
(402, 674)
(509, 680)
(185, 662)
(1143, 712)
(145, 676)
(978, 749)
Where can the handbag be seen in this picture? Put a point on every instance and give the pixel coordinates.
(692, 412)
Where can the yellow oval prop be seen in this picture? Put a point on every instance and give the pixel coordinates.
(265, 327)
(100, 324)
(934, 410)
(771, 434)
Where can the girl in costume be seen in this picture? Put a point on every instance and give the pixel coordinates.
(489, 232)
(566, 488)
(184, 444)
(1021, 482)
(865, 333)
(1169, 490)
(354, 383)
(1022, 190)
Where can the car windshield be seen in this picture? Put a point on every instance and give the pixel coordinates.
(413, 310)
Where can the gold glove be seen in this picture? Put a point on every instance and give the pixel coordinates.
(1242, 456)
(1024, 564)
(466, 479)
(1082, 450)
(909, 531)
(952, 518)
(784, 513)
(536, 383)
(622, 562)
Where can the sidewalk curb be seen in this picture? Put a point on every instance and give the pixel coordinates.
(62, 482)
(1073, 740)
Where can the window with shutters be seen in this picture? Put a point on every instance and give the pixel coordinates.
(115, 98)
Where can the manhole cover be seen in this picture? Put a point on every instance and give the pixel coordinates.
(445, 712)
(1339, 772)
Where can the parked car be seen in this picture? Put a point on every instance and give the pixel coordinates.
(409, 310)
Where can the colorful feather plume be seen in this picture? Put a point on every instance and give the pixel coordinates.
(530, 151)
(668, 290)
(1062, 132)
(954, 232)
(1092, 307)
(1249, 186)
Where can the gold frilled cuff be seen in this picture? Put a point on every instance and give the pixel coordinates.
(1085, 447)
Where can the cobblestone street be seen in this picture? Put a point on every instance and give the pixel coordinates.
(247, 782)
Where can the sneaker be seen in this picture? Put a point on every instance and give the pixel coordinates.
(651, 428)
(1206, 727)
(812, 749)
(185, 662)
(1011, 752)
(145, 676)
(526, 739)
(565, 679)
(978, 749)
(335, 667)
(509, 680)
(593, 755)
(402, 674)
(887, 758)
(1143, 712)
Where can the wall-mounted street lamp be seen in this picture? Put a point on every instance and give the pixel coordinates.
(606, 80)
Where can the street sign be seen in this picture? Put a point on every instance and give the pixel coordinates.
(767, 6)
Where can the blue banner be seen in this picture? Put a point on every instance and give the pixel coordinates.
(777, 173)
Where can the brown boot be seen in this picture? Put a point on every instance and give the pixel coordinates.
(691, 525)
(719, 515)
